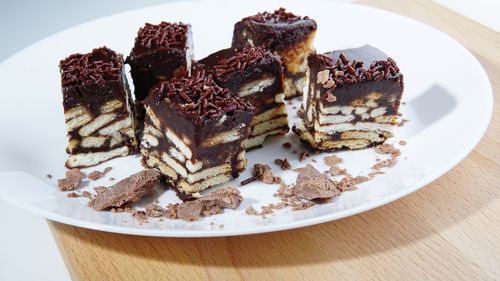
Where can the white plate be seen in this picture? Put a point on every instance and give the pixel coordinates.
(448, 95)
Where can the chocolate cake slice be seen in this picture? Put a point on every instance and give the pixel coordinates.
(194, 132)
(284, 33)
(352, 101)
(97, 108)
(159, 49)
(256, 75)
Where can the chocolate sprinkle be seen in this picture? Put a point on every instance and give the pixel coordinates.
(280, 15)
(162, 35)
(198, 98)
(102, 64)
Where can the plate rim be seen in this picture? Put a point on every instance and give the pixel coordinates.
(129, 230)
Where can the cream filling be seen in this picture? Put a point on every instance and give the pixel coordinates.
(194, 166)
(268, 125)
(179, 144)
(116, 126)
(259, 139)
(93, 142)
(94, 158)
(358, 126)
(335, 119)
(149, 141)
(178, 168)
(177, 154)
(97, 123)
(208, 173)
(223, 137)
(279, 110)
(111, 106)
(256, 86)
(77, 122)
(190, 188)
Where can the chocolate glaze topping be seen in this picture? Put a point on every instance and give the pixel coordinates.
(163, 35)
(101, 65)
(278, 16)
(198, 98)
(276, 31)
(347, 67)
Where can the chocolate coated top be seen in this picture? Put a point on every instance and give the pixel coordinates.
(98, 66)
(198, 98)
(277, 30)
(164, 35)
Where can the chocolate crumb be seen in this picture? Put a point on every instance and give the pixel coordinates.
(303, 156)
(402, 142)
(128, 190)
(221, 226)
(264, 173)
(247, 181)
(95, 175)
(287, 145)
(140, 215)
(100, 189)
(171, 211)
(86, 194)
(155, 211)
(189, 210)
(111, 179)
(332, 160)
(250, 210)
(72, 180)
(107, 170)
(283, 163)
(49, 176)
(73, 195)
(312, 184)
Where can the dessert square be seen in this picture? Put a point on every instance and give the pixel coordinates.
(284, 33)
(97, 108)
(256, 75)
(352, 101)
(159, 49)
(194, 132)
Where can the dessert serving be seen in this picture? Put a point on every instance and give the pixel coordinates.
(97, 108)
(284, 33)
(159, 49)
(194, 133)
(352, 101)
(196, 120)
(256, 75)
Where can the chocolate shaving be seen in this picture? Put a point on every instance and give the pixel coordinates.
(72, 180)
(198, 99)
(303, 155)
(264, 173)
(283, 163)
(129, 190)
(332, 160)
(101, 65)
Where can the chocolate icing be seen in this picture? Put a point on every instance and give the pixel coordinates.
(276, 31)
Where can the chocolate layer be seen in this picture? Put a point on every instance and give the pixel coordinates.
(97, 107)
(159, 49)
(276, 31)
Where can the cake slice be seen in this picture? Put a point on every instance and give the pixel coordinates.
(97, 108)
(256, 75)
(284, 33)
(159, 49)
(194, 132)
(352, 101)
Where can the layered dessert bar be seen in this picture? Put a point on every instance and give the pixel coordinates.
(352, 101)
(97, 108)
(159, 49)
(284, 33)
(256, 75)
(194, 132)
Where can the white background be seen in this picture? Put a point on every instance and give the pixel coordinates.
(27, 249)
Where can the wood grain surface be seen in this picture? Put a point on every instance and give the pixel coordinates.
(449, 230)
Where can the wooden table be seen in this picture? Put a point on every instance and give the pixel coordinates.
(449, 230)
